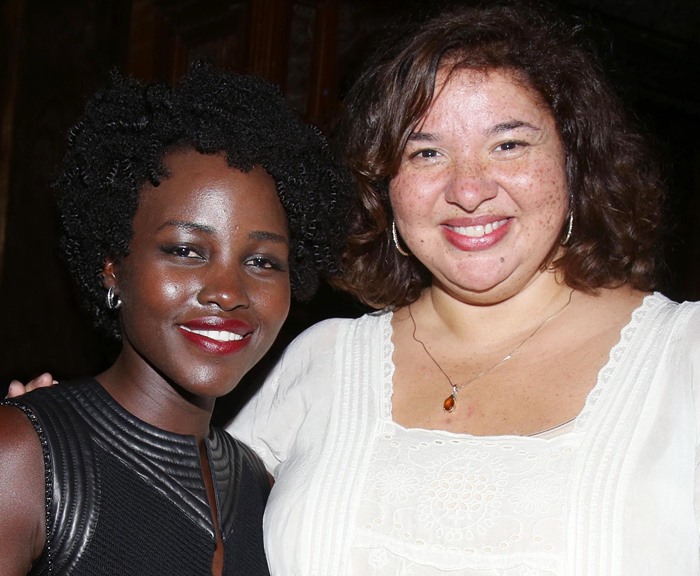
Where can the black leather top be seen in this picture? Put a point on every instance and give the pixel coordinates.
(124, 497)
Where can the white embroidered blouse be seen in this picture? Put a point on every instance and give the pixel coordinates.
(356, 494)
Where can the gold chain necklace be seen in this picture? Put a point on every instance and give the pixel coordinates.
(451, 401)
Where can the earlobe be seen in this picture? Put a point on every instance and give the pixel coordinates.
(109, 274)
(109, 281)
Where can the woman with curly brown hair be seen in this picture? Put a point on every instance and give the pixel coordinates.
(524, 402)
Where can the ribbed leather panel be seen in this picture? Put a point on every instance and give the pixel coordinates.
(78, 421)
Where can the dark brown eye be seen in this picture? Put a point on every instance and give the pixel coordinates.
(266, 263)
(510, 145)
(182, 251)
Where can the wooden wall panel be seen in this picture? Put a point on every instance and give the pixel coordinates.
(65, 52)
(10, 40)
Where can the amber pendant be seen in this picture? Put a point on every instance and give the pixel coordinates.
(450, 403)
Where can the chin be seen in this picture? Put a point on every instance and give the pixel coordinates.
(209, 385)
(478, 283)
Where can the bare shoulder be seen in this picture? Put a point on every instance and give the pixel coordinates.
(22, 492)
(615, 305)
(599, 320)
(590, 327)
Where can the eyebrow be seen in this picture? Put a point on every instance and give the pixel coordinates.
(512, 125)
(185, 225)
(271, 236)
(421, 137)
(497, 129)
(194, 227)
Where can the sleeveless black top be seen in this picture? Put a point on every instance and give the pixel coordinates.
(124, 497)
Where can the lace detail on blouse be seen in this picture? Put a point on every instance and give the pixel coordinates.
(436, 502)
(357, 494)
(617, 354)
(461, 502)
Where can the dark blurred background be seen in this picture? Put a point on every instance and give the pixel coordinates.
(55, 54)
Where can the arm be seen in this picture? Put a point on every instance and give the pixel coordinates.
(692, 340)
(22, 493)
(296, 396)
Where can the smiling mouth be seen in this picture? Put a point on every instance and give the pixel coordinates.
(478, 231)
(217, 335)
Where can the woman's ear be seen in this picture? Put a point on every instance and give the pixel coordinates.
(109, 274)
(109, 281)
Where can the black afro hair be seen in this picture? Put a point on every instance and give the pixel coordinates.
(127, 130)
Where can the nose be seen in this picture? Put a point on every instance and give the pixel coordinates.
(469, 185)
(224, 288)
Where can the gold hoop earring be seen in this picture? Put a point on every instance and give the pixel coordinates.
(395, 237)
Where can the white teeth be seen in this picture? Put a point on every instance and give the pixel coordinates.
(218, 335)
(478, 231)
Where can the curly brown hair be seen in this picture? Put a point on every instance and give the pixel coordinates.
(613, 177)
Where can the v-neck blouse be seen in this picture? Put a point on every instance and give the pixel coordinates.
(358, 494)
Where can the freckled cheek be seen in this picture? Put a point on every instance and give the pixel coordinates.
(397, 194)
(410, 208)
(551, 203)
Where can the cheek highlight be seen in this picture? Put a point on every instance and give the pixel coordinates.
(171, 290)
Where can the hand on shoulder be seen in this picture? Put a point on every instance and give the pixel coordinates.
(16, 387)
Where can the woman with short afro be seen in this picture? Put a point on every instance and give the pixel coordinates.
(127, 130)
(189, 215)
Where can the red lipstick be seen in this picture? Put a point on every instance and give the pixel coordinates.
(476, 234)
(219, 336)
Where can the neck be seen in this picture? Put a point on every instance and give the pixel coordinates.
(495, 320)
(151, 398)
(510, 336)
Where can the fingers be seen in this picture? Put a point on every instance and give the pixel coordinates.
(16, 387)
(41, 381)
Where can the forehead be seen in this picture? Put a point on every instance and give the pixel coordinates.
(205, 187)
(470, 91)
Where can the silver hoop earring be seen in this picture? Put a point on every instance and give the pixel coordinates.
(395, 238)
(113, 301)
(569, 228)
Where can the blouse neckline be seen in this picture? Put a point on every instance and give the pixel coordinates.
(574, 426)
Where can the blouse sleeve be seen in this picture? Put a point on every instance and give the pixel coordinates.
(297, 388)
(692, 341)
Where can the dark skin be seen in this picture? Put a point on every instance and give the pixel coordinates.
(22, 531)
(204, 291)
